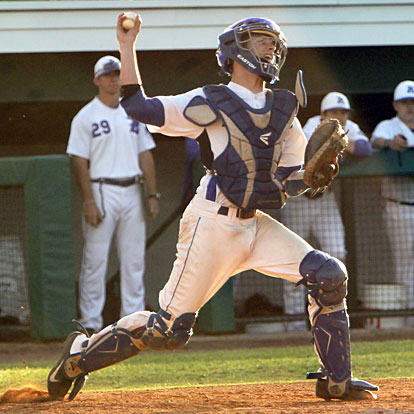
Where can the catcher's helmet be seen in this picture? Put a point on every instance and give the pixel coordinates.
(236, 44)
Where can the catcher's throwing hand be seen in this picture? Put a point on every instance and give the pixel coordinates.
(125, 36)
(321, 154)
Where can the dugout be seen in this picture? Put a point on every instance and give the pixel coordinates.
(35, 116)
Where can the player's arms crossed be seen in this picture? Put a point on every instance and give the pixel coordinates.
(90, 209)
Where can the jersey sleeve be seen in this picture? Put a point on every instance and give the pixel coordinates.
(293, 153)
(382, 130)
(354, 132)
(79, 138)
(145, 140)
(175, 122)
(311, 125)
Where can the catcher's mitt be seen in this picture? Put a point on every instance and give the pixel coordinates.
(321, 155)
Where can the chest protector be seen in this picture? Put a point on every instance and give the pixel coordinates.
(246, 170)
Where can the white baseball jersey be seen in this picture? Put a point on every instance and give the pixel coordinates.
(397, 188)
(389, 128)
(177, 125)
(109, 139)
(354, 131)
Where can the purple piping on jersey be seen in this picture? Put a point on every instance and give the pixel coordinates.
(185, 262)
(146, 110)
(362, 148)
(211, 189)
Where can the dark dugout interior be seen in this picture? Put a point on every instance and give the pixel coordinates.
(40, 93)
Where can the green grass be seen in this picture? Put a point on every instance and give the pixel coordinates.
(151, 370)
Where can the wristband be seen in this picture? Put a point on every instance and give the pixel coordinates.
(387, 143)
(155, 195)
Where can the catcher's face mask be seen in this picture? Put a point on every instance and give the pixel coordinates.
(256, 43)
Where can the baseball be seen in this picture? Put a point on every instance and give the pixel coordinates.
(129, 21)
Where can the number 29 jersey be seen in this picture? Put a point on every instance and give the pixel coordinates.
(109, 139)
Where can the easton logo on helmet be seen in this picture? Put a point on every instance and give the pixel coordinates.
(247, 62)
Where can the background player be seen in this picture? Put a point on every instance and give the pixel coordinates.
(397, 134)
(258, 147)
(110, 153)
(320, 216)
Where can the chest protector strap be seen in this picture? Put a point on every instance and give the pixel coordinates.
(246, 169)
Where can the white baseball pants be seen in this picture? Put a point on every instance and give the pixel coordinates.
(211, 248)
(124, 219)
(399, 220)
(320, 218)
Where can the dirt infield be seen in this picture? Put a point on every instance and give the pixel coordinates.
(394, 397)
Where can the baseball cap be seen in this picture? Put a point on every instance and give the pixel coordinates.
(105, 65)
(335, 100)
(404, 91)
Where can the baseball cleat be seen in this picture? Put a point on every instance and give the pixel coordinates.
(356, 390)
(57, 382)
(77, 386)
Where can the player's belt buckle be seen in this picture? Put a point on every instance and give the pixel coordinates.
(241, 212)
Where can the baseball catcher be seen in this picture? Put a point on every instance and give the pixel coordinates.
(321, 155)
(258, 148)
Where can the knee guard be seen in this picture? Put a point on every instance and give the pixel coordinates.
(326, 280)
(325, 277)
(119, 344)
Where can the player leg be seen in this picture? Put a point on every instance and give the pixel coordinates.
(299, 218)
(209, 249)
(281, 253)
(328, 226)
(325, 278)
(97, 242)
(399, 221)
(130, 237)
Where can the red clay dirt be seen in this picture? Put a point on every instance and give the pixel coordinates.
(395, 396)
